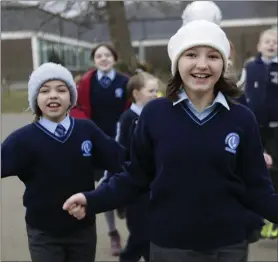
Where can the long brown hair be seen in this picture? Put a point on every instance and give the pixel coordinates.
(231, 72)
(224, 85)
(38, 114)
(233, 53)
(231, 67)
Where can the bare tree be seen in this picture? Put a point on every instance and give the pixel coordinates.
(114, 14)
(119, 33)
(117, 15)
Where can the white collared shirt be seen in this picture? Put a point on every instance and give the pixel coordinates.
(51, 126)
(111, 74)
(136, 109)
(219, 99)
(269, 61)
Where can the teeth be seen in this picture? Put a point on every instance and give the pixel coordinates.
(53, 105)
(200, 76)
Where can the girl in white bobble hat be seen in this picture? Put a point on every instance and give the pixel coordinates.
(55, 157)
(199, 155)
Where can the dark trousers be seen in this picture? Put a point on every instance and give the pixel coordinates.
(269, 138)
(138, 243)
(79, 246)
(232, 253)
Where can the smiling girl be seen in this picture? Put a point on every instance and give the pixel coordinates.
(55, 157)
(200, 155)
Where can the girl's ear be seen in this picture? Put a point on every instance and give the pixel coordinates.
(135, 94)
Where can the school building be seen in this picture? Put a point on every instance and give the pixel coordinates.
(30, 36)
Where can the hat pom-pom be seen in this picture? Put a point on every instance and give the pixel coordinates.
(202, 10)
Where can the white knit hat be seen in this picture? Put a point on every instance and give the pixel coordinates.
(202, 10)
(199, 32)
(47, 72)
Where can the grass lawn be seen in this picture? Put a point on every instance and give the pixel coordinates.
(14, 101)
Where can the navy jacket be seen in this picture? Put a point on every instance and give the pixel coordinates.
(262, 89)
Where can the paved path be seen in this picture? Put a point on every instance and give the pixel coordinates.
(13, 235)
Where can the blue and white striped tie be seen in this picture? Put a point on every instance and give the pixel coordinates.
(60, 131)
(105, 81)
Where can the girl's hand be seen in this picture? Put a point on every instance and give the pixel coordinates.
(268, 160)
(75, 205)
(78, 212)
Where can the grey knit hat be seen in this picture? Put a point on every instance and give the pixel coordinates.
(47, 72)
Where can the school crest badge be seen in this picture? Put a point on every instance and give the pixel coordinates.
(86, 148)
(232, 142)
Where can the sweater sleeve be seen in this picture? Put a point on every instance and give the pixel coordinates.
(123, 188)
(107, 153)
(261, 197)
(14, 158)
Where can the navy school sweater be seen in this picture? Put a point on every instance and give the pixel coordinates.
(242, 100)
(204, 176)
(137, 214)
(262, 90)
(109, 103)
(128, 122)
(53, 169)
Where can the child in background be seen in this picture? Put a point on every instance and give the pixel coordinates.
(261, 90)
(231, 74)
(141, 88)
(264, 231)
(54, 157)
(102, 97)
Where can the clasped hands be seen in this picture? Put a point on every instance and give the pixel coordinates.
(76, 206)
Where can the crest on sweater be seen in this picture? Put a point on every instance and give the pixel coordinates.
(232, 142)
(86, 148)
(119, 92)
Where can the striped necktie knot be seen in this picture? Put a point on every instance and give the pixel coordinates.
(105, 81)
(60, 131)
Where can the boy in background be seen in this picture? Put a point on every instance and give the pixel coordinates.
(261, 90)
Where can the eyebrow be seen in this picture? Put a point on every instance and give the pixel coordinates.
(61, 85)
(215, 52)
(210, 51)
(103, 54)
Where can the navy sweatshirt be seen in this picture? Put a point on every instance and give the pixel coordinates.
(108, 103)
(242, 100)
(262, 90)
(127, 125)
(128, 122)
(203, 176)
(53, 169)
